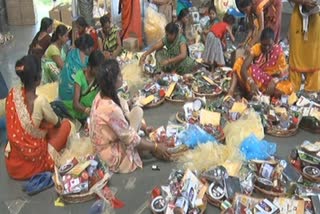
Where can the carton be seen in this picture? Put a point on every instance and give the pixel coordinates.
(55, 14)
(66, 14)
(131, 44)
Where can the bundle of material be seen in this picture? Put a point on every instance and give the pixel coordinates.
(133, 75)
(154, 26)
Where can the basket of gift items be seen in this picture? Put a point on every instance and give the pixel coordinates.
(278, 117)
(306, 160)
(77, 179)
(222, 76)
(310, 111)
(204, 85)
(269, 179)
(185, 193)
(152, 95)
(196, 113)
(178, 92)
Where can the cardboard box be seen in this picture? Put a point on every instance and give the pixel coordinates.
(29, 16)
(131, 44)
(12, 3)
(55, 14)
(66, 14)
(21, 12)
(14, 16)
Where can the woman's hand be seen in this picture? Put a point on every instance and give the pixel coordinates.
(161, 152)
(271, 88)
(142, 59)
(253, 87)
(165, 62)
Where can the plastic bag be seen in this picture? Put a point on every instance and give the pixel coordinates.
(154, 26)
(15, 206)
(194, 135)
(253, 148)
(249, 123)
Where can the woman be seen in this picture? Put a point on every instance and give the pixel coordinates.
(85, 88)
(27, 114)
(84, 28)
(261, 14)
(54, 57)
(42, 40)
(76, 61)
(109, 38)
(215, 42)
(114, 139)
(212, 19)
(304, 51)
(175, 57)
(182, 5)
(182, 22)
(264, 69)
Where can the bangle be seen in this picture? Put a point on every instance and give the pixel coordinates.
(155, 146)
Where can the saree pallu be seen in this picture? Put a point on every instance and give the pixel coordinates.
(28, 147)
(304, 54)
(50, 69)
(263, 71)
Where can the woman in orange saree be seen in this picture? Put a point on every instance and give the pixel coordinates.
(265, 69)
(261, 14)
(27, 151)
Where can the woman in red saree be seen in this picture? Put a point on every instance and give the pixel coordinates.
(261, 14)
(265, 69)
(31, 125)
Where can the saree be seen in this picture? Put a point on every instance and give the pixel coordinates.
(72, 65)
(27, 149)
(110, 41)
(88, 93)
(265, 68)
(39, 48)
(114, 140)
(304, 54)
(94, 35)
(50, 70)
(173, 50)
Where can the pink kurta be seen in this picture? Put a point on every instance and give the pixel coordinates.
(113, 138)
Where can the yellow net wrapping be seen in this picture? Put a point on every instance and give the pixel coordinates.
(154, 26)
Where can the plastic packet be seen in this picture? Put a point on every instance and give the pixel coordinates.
(253, 148)
(15, 206)
(130, 183)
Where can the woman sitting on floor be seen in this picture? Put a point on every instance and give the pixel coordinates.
(265, 69)
(109, 38)
(83, 28)
(85, 88)
(115, 138)
(77, 61)
(54, 57)
(175, 57)
(32, 126)
(42, 40)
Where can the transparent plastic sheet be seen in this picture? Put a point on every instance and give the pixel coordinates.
(15, 206)
(131, 183)
(253, 148)
(249, 123)
(154, 25)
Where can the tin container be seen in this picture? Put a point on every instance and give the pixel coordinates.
(159, 205)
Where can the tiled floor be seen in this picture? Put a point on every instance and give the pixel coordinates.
(135, 199)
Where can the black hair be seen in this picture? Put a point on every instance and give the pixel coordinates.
(172, 28)
(229, 19)
(183, 13)
(84, 42)
(61, 30)
(104, 20)
(96, 58)
(243, 4)
(28, 69)
(212, 8)
(107, 76)
(45, 24)
(82, 22)
(267, 33)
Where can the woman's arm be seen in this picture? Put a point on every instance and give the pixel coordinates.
(230, 33)
(117, 51)
(58, 60)
(100, 44)
(159, 45)
(76, 100)
(183, 54)
(257, 33)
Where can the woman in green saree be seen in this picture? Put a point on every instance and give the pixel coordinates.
(171, 52)
(55, 55)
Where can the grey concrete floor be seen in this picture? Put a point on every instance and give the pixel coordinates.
(145, 179)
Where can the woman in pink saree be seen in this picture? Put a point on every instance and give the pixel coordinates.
(114, 139)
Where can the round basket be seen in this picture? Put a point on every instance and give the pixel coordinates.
(212, 201)
(304, 175)
(81, 197)
(269, 194)
(153, 105)
(310, 125)
(206, 95)
(180, 117)
(282, 133)
(169, 99)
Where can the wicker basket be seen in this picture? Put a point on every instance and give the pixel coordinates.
(282, 133)
(304, 175)
(310, 124)
(81, 197)
(198, 94)
(153, 105)
(213, 202)
(269, 194)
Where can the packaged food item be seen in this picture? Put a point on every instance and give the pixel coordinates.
(267, 207)
(289, 206)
